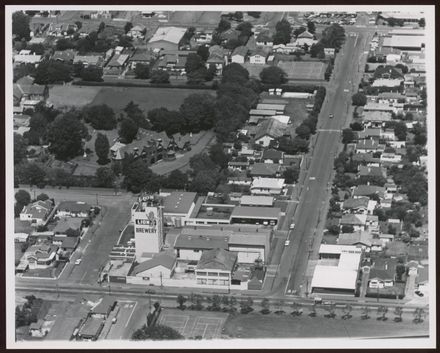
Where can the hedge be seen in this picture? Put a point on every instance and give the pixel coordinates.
(143, 84)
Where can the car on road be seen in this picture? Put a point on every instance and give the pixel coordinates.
(150, 291)
(292, 226)
(287, 242)
(419, 293)
(114, 320)
(77, 262)
(330, 116)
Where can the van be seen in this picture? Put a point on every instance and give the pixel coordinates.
(318, 300)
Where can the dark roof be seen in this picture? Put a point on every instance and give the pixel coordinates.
(74, 206)
(241, 50)
(264, 36)
(104, 306)
(200, 242)
(264, 169)
(272, 154)
(217, 259)
(355, 203)
(367, 190)
(166, 260)
(383, 268)
(272, 128)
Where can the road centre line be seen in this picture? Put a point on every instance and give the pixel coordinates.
(132, 311)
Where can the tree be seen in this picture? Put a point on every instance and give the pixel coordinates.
(317, 50)
(20, 150)
(42, 197)
(128, 130)
(359, 99)
(31, 173)
(162, 119)
(333, 36)
(204, 181)
(101, 117)
(176, 180)
(400, 131)
(198, 111)
(159, 76)
(291, 175)
(37, 49)
(64, 44)
(102, 148)
(265, 306)
(218, 156)
(22, 197)
(348, 135)
(356, 126)
(273, 75)
(303, 131)
(299, 30)
(283, 30)
(193, 63)
(198, 76)
(246, 305)
(156, 332)
(181, 301)
(235, 73)
(127, 27)
(23, 70)
(137, 175)
(203, 52)
(91, 73)
(52, 71)
(245, 29)
(105, 177)
(223, 26)
(254, 14)
(311, 27)
(20, 25)
(142, 71)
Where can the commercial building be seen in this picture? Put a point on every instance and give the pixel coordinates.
(166, 38)
(215, 267)
(267, 186)
(147, 217)
(256, 215)
(177, 207)
(337, 271)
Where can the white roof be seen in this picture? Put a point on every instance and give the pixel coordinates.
(168, 34)
(265, 183)
(387, 82)
(27, 59)
(337, 249)
(404, 41)
(256, 200)
(407, 31)
(413, 15)
(281, 118)
(334, 277)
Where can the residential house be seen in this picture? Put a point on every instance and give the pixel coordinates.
(61, 29)
(236, 165)
(21, 123)
(390, 157)
(173, 63)
(37, 212)
(166, 38)
(73, 209)
(357, 221)
(203, 36)
(387, 82)
(41, 255)
(239, 55)
(376, 118)
(259, 55)
(27, 58)
(361, 239)
(216, 267)
(367, 146)
(117, 64)
(368, 190)
(37, 329)
(65, 56)
(26, 93)
(360, 205)
(89, 60)
(367, 171)
(270, 130)
(217, 57)
(305, 38)
(267, 186)
(271, 155)
(144, 57)
(230, 34)
(382, 273)
(137, 31)
(268, 170)
(264, 38)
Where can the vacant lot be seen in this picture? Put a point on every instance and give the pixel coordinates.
(147, 98)
(209, 17)
(72, 96)
(194, 323)
(256, 325)
(303, 70)
(254, 69)
(185, 17)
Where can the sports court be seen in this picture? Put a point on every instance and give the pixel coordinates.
(194, 323)
(303, 70)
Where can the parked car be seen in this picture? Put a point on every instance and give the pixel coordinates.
(77, 262)
(419, 293)
(330, 116)
(287, 243)
(292, 226)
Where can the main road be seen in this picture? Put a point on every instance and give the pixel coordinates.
(317, 181)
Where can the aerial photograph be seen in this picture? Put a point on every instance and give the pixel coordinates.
(182, 176)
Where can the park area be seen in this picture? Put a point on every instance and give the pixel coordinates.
(303, 70)
(287, 326)
(118, 97)
(192, 324)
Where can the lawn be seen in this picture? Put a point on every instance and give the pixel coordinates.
(256, 325)
(303, 70)
(210, 17)
(147, 97)
(71, 96)
(185, 17)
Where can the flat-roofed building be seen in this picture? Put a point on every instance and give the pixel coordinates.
(256, 215)
(404, 42)
(261, 201)
(166, 38)
(337, 271)
(216, 267)
(267, 186)
(177, 207)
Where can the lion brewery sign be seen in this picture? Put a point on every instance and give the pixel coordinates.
(148, 226)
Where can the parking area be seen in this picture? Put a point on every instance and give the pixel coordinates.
(194, 323)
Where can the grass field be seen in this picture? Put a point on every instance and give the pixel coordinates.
(147, 97)
(303, 70)
(256, 325)
(194, 323)
(210, 17)
(185, 17)
(72, 96)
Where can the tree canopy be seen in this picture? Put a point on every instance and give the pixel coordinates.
(20, 25)
(128, 130)
(101, 117)
(102, 148)
(159, 76)
(283, 32)
(52, 71)
(65, 135)
(156, 332)
(273, 75)
(198, 111)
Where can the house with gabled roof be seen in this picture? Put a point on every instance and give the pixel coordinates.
(259, 55)
(264, 38)
(37, 212)
(216, 267)
(357, 221)
(161, 266)
(137, 31)
(271, 155)
(270, 130)
(239, 54)
(305, 38)
(269, 170)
